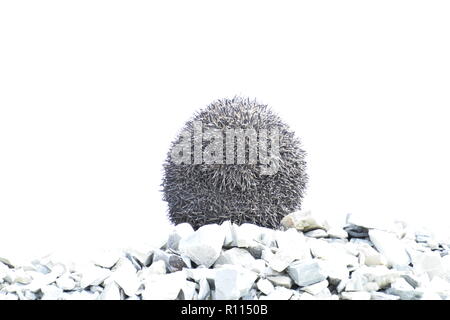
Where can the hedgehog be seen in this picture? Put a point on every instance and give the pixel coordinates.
(234, 160)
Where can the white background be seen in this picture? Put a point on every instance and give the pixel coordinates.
(92, 93)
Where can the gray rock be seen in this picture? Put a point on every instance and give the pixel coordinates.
(317, 233)
(281, 281)
(383, 296)
(144, 256)
(8, 296)
(40, 281)
(251, 295)
(265, 286)
(380, 275)
(267, 237)
(446, 265)
(18, 276)
(390, 247)
(412, 279)
(339, 233)
(245, 235)
(164, 286)
(304, 296)
(324, 295)
(111, 292)
(58, 269)
(41, 268)
(228, 233)
(92, 275)
(361, 295)
(268, 271)
(134, 261)
(235, 256)
(369, 286)
(98, 289)
(430, 295)
(259, 266)
(422, 238)
(66, 283)
(336, 270)
(291, 246)
(186, 262)
(106, 258)
(371, 222)
(305, 273)
(180, 231)
(203, 246)
(19, 293)
(189, 291)
(256, 249)
(335, 259)
(200, 273)
(280, 293)
(51, 292)
(357, 242)
(160, 255)
(80, 295)
(429, 262)
(357, 282)
(341, 285)
(7, 262)
(337, 240)
(316, 288)
(158, 267)
(233, 282)
(303, 221)
(438, 286)
(392, 265)
(28, 295)
(4, 270)
(13, 288)
(125, 275)
(356, 231)
(404, 290)
(267, 254)
(173, 262)
(281, 260)
(336, 253)
(427, 238)
(204, 289)
(370, 257)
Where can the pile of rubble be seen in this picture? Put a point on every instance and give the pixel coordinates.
(306, 259)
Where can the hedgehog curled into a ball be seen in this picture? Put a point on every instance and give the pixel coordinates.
(234, 160)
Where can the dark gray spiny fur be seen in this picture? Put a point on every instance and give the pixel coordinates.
(202, 194)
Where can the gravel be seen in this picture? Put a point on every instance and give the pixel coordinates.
(305, 259)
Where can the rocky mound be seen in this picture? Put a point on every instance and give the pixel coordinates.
(305, 259)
